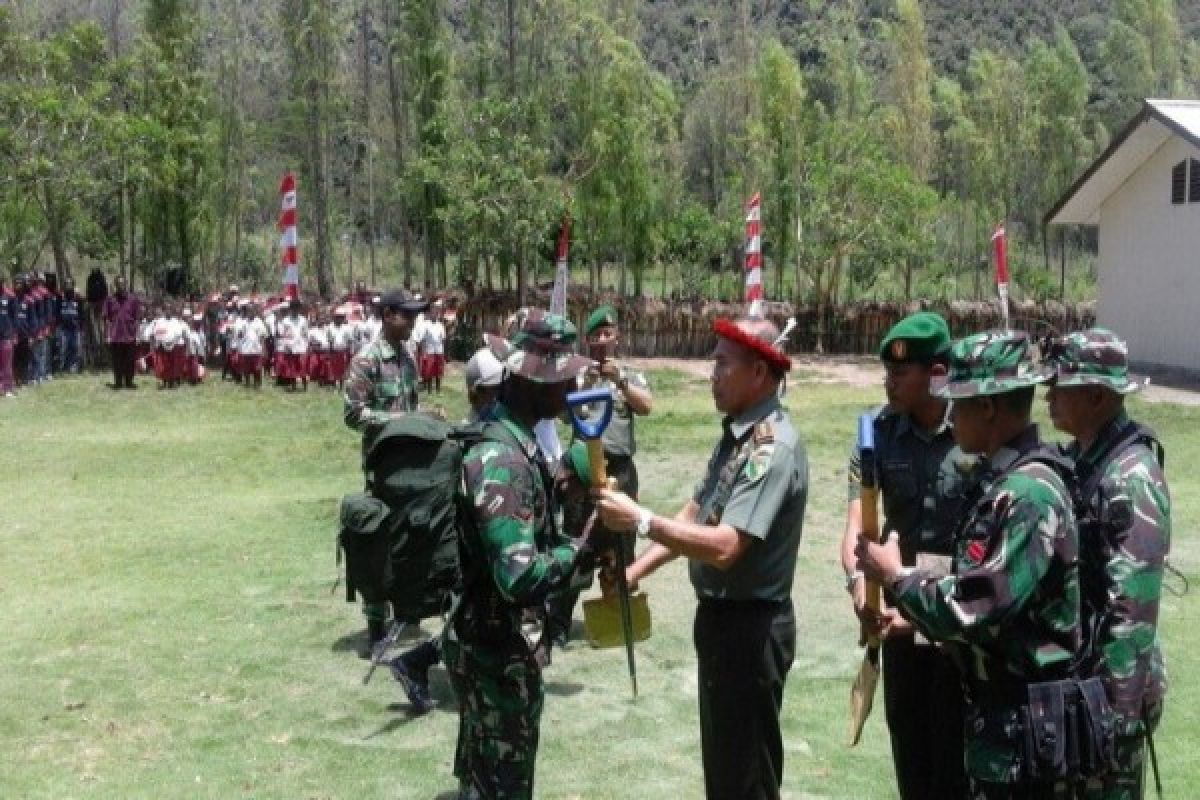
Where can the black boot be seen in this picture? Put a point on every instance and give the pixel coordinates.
(376, 631)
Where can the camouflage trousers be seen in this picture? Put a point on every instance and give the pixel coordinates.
(500, 698)
(1128, 781)
(1056, 790)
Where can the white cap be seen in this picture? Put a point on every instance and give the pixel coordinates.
(484, 369)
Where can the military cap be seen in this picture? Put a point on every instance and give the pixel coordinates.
(918, 338)
(541, 350)
(1095, 357)
(577, 458)
(401, 300)
(604, 315)
(990, 363)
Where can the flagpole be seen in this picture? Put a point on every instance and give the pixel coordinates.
(287, 235)
(1000, 253)
(753, 265)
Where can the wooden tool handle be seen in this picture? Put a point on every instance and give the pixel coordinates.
(870, 529)
(595, 450)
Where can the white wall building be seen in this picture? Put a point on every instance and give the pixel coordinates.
(1144, 194)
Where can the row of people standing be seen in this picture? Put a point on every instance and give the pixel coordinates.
(1015, 572)
(41, 332)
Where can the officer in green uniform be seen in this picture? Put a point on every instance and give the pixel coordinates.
(511, 558)
(740, 533)
(631, 398)
(1009, 610)
(1125, 534)
(380, 383)
(921, 480)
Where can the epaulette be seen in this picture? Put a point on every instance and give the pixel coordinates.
(764, 433)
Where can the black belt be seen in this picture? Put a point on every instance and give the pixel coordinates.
(724, 604)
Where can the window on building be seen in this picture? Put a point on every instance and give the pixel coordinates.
(1185, 182)
(1179, 183)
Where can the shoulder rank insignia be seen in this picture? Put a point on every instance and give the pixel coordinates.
(764, 433)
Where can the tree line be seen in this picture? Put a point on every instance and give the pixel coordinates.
(444, 141)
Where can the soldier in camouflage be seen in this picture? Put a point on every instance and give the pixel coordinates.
(380, 383)
(1009, 610)
(512, 558)
(382, 377)
(1125, 533)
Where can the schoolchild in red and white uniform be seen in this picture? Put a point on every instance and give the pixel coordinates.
(145, 341)
(430, 340)
(319, 355)
(175, 347)
(251, 344)
(292, 344)
(162, 349)
(197, 350)
(341, 343)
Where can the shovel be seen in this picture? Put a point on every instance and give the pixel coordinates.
(862, 693)
(598, 614)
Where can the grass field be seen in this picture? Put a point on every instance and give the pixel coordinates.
(169, 631)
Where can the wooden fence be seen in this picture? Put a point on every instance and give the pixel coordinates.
(684, 329)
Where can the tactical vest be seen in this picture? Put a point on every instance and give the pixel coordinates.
(484, 615)
(1098, 529)
(988, 674)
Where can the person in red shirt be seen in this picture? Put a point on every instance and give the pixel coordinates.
(122, 309)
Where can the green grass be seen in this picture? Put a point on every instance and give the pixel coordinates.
(169, 629)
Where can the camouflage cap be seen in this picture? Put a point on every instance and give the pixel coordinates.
(918, 338)
(542, 349)
(990, 363)
(1095, 357)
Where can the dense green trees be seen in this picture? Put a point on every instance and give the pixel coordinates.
(454, 135)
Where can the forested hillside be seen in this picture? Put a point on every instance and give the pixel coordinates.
(442, 141)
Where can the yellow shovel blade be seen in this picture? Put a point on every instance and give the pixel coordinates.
(862, 693)
(602, 620)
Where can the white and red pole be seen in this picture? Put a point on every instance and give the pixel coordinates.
(558, 298)
(1000, 254)
(754, 291)
(287, 236)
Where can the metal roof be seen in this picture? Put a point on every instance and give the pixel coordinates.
(1157, 122)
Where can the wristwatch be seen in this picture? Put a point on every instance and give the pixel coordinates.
(643, 526)
(852, 579)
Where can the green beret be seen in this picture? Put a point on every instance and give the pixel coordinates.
(604, 315)
(917, 338)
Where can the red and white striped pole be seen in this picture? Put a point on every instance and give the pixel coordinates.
(1000, 253)
(287, 237)
(558, 298)
(754, 291)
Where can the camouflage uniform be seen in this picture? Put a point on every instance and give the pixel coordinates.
(379, 381)
(1125, 534)
(512, 558)
(1009, 611)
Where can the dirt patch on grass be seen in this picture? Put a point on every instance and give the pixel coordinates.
(864, 371)
(850, 370)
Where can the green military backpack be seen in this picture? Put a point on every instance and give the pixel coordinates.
(400, 536)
